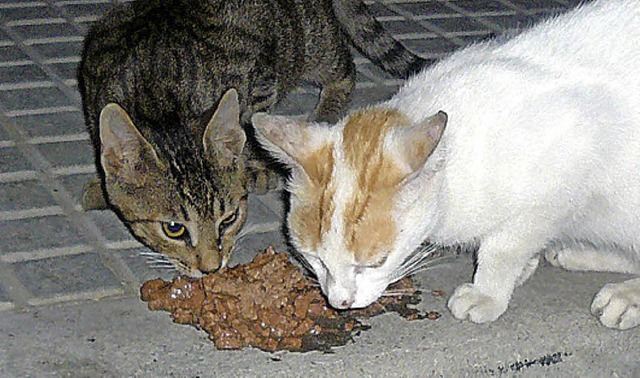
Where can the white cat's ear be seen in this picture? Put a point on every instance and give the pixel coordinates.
(416, 143)
(125, 154)
(224, 135)
(288, 139)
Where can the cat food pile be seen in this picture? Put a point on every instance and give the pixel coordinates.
(267, 304)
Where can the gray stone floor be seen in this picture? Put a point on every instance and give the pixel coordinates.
(52, 253)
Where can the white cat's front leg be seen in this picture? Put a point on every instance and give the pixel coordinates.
(617, 305)
(504, 261)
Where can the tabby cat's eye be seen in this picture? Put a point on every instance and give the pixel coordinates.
(174, 230)
(228, 221)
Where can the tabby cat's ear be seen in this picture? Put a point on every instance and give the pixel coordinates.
(126, 156)
(224, 135)
(415, 144)
(289, 139)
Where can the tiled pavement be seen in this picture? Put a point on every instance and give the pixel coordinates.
(50, 250)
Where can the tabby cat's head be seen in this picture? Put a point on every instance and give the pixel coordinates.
(352, 196)
(184, 193)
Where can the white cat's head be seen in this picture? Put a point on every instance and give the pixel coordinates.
(349, 195)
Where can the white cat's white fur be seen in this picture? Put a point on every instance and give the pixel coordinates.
(541, 154)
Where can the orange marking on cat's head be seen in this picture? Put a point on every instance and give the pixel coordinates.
(312, 218)
(369, 227)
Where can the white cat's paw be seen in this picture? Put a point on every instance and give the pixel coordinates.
(468, 302)
(618, 305)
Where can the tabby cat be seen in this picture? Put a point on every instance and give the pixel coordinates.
(167, 86)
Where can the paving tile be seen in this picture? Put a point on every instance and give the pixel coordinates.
(511, 22)
(377, 71)
(379, 10)
(28, 12)
(4, 297)
(298, 103)
(12, 160)
(4, 37)
(65, 275)
(68, 153)
(61, 123)
(86, 9)
(45, 30)
(403, 27)
(483, 6)
(250, 245)
(55, 231)
(21, 74)
(4, 136)
(366, 96)
(259, 213)
(533, 5)
(456, 24)
(275, 201)
(67, 70)
(75, 183)
(432, 46)
(11, 54)
(59, 49)
(362, 78)
(34, 98)
(426, 9)
(13, 196)
(467, 40)
(109, 225)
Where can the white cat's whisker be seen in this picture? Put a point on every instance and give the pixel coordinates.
(397, 293)
(424, 265)
(159, 262)
(162, 267)
(305, 264)
(416, 259)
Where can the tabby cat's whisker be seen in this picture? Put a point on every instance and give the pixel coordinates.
(150, 254)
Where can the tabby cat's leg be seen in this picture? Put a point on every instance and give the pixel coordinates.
(335, 95)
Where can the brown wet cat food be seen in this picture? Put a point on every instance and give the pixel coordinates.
(267, 304)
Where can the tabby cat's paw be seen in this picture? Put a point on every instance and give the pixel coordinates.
(617, 305)
(468, 302)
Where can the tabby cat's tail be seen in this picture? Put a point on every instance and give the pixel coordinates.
(373, 41)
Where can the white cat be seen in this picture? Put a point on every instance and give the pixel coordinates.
(541, 153)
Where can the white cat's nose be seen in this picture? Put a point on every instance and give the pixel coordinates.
(341, 298)
(341, 304)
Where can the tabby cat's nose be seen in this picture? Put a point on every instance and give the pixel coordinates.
(209, 262)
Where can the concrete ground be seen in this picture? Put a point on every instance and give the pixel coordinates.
(69, 280)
